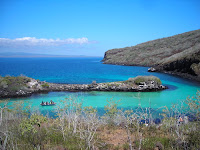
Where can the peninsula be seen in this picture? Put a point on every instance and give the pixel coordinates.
(179, 55)
(24, 86)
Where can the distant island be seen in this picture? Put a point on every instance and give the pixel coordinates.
(22, 86)
(179, 55)
(33, 55)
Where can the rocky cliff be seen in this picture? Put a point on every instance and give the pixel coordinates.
(179, 54)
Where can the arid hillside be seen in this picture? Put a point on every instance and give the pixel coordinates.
(178, 54)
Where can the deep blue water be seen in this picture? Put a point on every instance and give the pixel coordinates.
(85, 70)
(68, 70)
(74, 70)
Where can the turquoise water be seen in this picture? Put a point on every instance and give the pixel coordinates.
(85, 70)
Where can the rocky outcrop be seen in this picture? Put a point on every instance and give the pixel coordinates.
(179, 54)
(187, 67)
(196, 68)
(152, 69)
(20, 86)
(142, 84)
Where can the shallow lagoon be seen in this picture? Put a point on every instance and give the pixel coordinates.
(85, 70)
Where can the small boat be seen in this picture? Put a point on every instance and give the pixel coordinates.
(48, 104)
(51, 103)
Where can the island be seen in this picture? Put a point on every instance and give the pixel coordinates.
(178, 55)
(23, 86)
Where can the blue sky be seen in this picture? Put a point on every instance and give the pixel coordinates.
(91, 27)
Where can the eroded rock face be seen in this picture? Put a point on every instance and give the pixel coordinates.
(187, 67)
(196, 68)
(152, 69)
(182, 66)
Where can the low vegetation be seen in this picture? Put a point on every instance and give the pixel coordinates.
(78, 127)
(13, 84)
(139, 79)
(45, 85)
(135, 82)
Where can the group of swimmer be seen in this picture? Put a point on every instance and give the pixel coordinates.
(48, 103)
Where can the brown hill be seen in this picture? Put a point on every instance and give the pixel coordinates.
(179, 54)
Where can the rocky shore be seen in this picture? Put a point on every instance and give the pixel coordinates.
(176, 73)
(32, 86)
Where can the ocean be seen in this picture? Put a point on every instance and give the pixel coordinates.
(86, 70)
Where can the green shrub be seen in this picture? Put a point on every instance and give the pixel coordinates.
(194, 140)
(193, 105)
(149, 143)
(45, 85)
(55, 137)
(28, 125)
(125, 146)
(13, 84)
(139, 79)
(111, 110)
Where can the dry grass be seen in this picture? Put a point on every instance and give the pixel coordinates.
(116, 136)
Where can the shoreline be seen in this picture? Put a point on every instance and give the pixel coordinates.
(186, 76)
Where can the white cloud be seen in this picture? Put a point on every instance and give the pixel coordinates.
(32, 41)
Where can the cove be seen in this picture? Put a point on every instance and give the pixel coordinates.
(86, 70)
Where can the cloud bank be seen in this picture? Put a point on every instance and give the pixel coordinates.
(32, 41)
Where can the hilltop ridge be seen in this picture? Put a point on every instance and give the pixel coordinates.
(178, 54)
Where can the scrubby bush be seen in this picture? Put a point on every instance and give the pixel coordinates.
(152, 142)
(111, 110)
(13, 84)
(45, 85)
(94, 82)
(78, 127)
(137, 80)
(194, 139)
(125, 146)
(193, 105)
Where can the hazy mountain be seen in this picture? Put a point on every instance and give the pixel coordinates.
(22, 54)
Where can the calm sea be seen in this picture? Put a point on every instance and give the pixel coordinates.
(86, 70)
